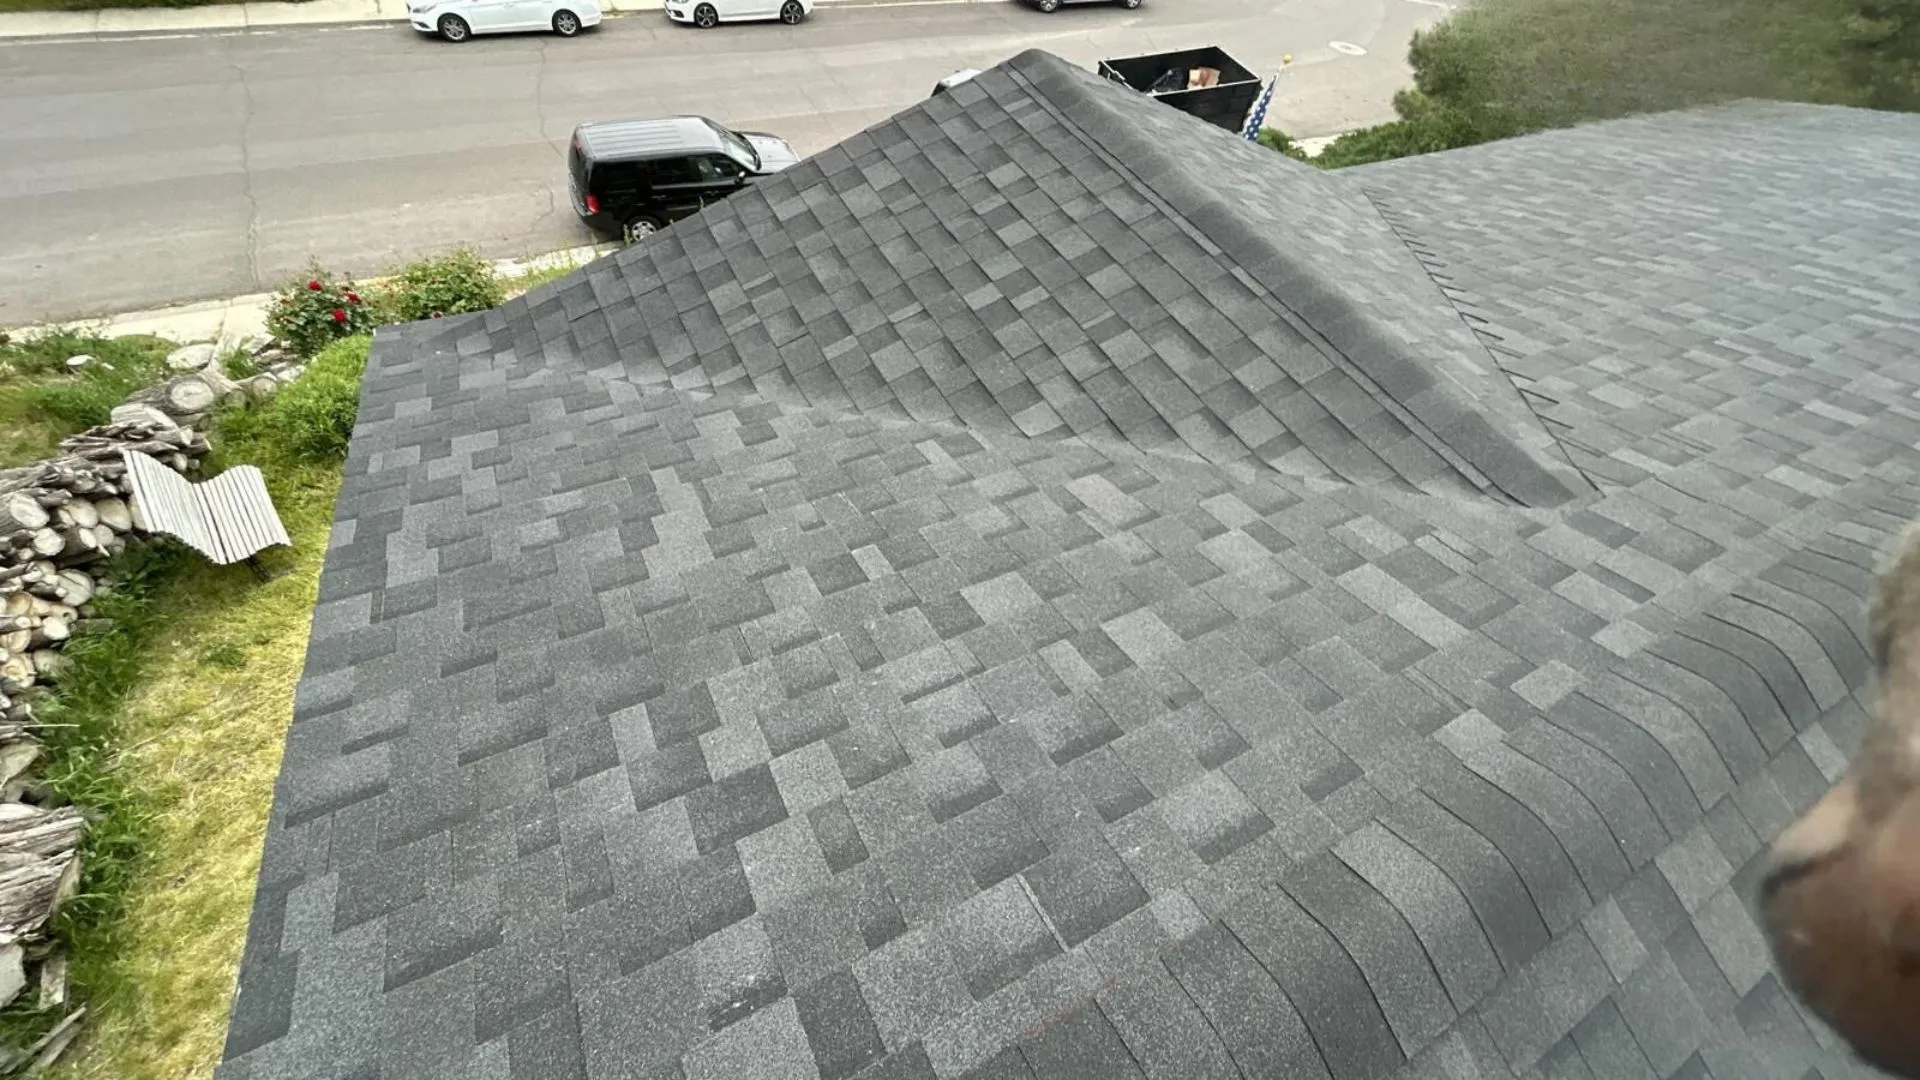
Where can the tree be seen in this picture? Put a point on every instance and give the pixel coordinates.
(1883, 52)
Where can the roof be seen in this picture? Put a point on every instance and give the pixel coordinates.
(609, 139)
(1045, 588)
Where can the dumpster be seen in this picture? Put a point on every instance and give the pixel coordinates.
(1203, 82)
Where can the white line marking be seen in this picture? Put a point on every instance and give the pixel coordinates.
(1441, 4)
(1347, 47)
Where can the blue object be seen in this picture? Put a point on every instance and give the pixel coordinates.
(1258, 116)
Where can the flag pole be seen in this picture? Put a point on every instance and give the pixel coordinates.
(1257, 115)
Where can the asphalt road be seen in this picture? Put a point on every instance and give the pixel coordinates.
(136, 172)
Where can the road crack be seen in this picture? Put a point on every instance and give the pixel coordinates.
(246, 170)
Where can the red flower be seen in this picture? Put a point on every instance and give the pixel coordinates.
(313, 285)
(353, 298)
(339, 316)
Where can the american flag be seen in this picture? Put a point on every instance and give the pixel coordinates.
(1258, 116)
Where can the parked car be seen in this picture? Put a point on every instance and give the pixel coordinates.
(458, 20)
(710, 13)
(1054, 5)
(633, 177)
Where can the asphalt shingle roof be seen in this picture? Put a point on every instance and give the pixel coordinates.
(1045, 589)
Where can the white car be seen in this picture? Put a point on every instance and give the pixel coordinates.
(708, 13)
(458, 20)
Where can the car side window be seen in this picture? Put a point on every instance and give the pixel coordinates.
(620, 176)
(675, 170)
(715, 167)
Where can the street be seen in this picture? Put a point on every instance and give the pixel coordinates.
(146, 170)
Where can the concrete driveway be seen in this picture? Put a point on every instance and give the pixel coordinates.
(148, 169)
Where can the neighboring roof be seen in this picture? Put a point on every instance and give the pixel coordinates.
(1045, 589)
(610, 139)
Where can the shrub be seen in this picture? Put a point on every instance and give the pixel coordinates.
(314, 310)
(1498, 68)
(449, 285)
(313, 418)
(1275, 139)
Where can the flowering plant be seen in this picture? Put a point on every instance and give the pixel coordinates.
(314, 310)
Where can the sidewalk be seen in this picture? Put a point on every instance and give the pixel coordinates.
(232, 321)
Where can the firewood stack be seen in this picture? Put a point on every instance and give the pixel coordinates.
(58, 519)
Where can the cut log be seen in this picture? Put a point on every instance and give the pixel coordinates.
(16, 642)
(53, 979)
(55, 1042)
(16, 758)
(114, 514)
(48, 664)
(188, 395)
(81, 512)
(140, 414)
(75, 587)
(19, 603)
(77, 541)
(47, 542)
(13, 972)
(29, 830)
(22, 510)
(16, 674)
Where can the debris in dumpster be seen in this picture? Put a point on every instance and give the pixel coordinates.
(1176, 79)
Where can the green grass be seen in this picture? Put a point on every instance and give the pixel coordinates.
(552, 269)
(171, 726)
(42, 402)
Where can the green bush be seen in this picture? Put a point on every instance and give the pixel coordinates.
(449, 285)
(313, 418)
(1275, 139)
(314, 310)
(1883, 52)
(1498, 68)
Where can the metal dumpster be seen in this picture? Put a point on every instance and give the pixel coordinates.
(1187, 80)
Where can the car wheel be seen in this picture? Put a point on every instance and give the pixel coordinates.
(641, 227)
(705, 17)
(1129, 4)
(791, 12)
(1049, 5)
(454, 28)
(567, 24)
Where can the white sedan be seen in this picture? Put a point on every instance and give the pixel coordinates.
(707, 13)
(458, 20)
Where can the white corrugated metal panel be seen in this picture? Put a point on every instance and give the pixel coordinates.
(227, 519)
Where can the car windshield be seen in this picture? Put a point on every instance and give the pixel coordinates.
(739, 146)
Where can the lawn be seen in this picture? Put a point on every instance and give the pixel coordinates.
(43, 401)
(201, 736)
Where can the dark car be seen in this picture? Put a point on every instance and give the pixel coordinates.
(632, 177)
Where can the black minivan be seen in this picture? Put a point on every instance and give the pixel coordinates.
(632, 177)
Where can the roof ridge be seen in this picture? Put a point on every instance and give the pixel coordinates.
(1519, 459)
